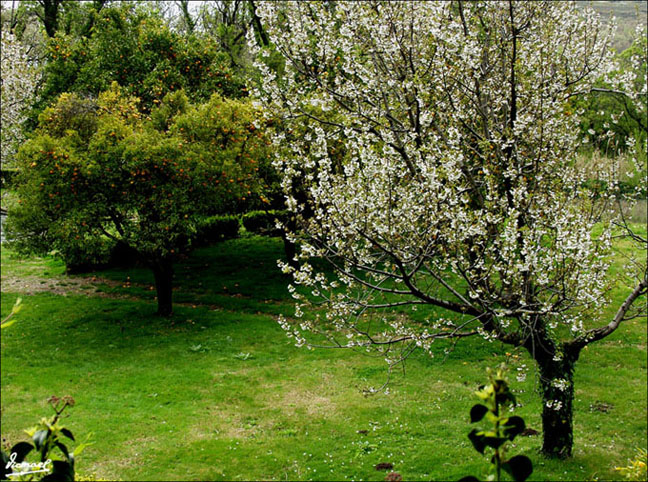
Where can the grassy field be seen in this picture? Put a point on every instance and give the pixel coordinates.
(219, 392)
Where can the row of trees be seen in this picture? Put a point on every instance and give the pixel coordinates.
(427, 150)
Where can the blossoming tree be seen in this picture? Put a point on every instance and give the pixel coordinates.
(20, 77)
(432, 145)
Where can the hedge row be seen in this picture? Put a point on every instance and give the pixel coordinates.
(106, 253)
(217, 228)
(264, 222)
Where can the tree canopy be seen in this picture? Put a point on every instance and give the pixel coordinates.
(132, 45)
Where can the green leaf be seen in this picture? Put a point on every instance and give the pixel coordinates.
(484, 392)
(514, 426)
(16, 307)
(21, 449)
(63, 449)
(61, 472)
(68, 434)
(519, 467)
(7, 324)
(3, 467)
(477, 412)
(494, 442)
(504, 398)
(81, 447)
(492, 418)
(477, 439)
(40, 437)
(500, 385)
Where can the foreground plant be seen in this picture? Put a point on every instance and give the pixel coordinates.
(8, 321)
(429, 155)
(497, 397)
(636, 468)
(55, 461)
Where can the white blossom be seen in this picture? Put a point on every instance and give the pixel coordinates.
(20, 75)
(428, 179)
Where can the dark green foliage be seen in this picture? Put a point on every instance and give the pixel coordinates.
(109, 254)
(596, 119)
(596, 108)
(7, 176)
(134, 47)
(94, 253)
(264, 222)
(217, 228)
(518, 467)
(496, 397)
(477, 412)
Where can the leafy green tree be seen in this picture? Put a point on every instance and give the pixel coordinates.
(98, 170)
(131, 44)
(54, 16)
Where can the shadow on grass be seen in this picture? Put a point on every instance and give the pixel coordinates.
(236, 275)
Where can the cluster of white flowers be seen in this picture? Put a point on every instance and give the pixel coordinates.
(433, 163)
(20, 75)
(560, 383)
(521, 373)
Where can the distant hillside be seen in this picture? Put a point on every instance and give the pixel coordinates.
(628, 14)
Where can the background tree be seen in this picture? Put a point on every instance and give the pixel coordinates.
(438, 144)
(614, 118)
(132, 45)
(56, 16)
(20, 76)
(225, 22)
(103, 169)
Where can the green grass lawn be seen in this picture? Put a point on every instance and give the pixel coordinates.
(219, 392)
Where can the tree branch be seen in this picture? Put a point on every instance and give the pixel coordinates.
(602, 332)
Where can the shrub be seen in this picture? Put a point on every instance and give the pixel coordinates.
(217, 228)
(636, 468)
(263, 222)
(93, 253)
(7, 176)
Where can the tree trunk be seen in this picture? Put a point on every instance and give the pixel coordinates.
(163, 272)
(50, 16)
(258, 27)
(557, 383)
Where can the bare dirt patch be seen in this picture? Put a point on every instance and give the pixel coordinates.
(293, 400)
(58, 285)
